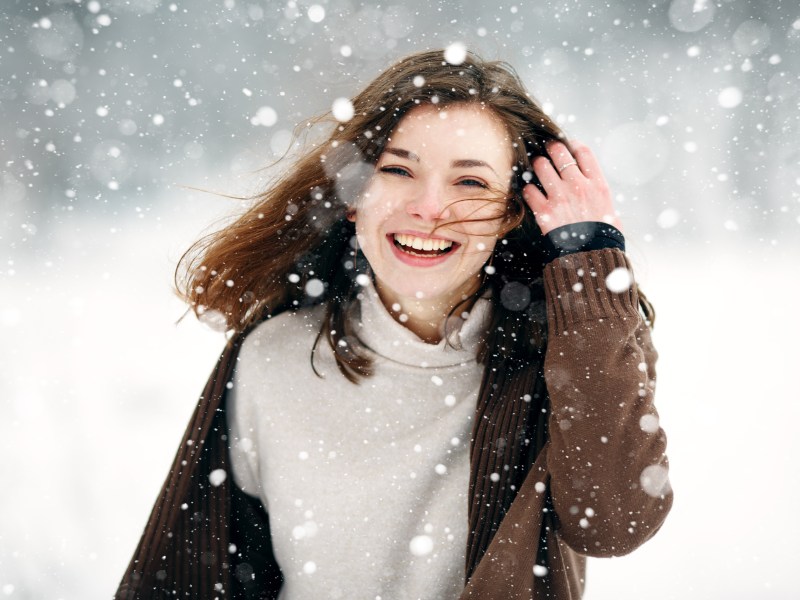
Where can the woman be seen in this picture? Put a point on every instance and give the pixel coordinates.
(443, 386)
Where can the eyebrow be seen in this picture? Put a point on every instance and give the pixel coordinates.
(459, 163)
(402, 153)
(471, 162)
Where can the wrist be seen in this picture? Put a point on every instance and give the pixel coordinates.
(581, 237)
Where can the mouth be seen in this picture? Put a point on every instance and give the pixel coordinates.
(422, 247)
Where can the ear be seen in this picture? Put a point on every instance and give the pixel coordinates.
(350, 215)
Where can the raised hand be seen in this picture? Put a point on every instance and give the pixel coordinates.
(575, 189)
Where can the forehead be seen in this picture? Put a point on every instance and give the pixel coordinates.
(454, 130)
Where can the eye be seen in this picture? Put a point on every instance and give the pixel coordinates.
(473, 183)
(395, 171)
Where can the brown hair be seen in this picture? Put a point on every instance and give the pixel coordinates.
(292, 247)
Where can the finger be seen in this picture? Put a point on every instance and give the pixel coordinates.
(534, 198)
(586, 159)
(546, 173)
(566, 165)
(540, 206)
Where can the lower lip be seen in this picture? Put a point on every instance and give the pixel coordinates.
(418, 261)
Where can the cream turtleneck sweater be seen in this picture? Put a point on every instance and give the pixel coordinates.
(365, 485)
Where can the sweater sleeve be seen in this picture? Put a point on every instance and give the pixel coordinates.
(607, 463)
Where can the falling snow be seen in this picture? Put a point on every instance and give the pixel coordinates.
(619, 280)
(455, 53)
(265, 116)
(342, 109)
(314, 288)
(217, 477)
(421, 545)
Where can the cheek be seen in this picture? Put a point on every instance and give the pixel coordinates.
(483, 250)
(374, 204)
(483, 246)
(481, 217)
(365, 236)
(475, 255)
(369, 231)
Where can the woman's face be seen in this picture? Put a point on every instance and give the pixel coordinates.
(440, 167)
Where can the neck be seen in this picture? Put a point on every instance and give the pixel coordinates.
(425, 317)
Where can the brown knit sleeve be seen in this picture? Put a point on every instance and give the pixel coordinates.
(607, 462)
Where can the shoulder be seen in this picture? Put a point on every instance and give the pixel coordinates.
(283, 336)
(289, 322)
(288, 331)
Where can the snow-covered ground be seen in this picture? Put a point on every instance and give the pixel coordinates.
(98, 382)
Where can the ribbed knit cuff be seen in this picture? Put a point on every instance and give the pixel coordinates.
(589, 286)
(580, 237)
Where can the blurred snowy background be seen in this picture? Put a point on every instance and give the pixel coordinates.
(112, 110)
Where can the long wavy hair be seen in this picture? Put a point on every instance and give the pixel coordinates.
(294, 245)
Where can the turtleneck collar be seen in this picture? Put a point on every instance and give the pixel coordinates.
(378, 331)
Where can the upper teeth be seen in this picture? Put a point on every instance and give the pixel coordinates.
(419, 243)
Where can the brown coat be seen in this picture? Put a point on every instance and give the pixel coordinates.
(597, 484)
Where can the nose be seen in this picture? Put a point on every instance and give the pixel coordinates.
(429, 204)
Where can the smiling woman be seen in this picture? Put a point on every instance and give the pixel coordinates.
(438, 384)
